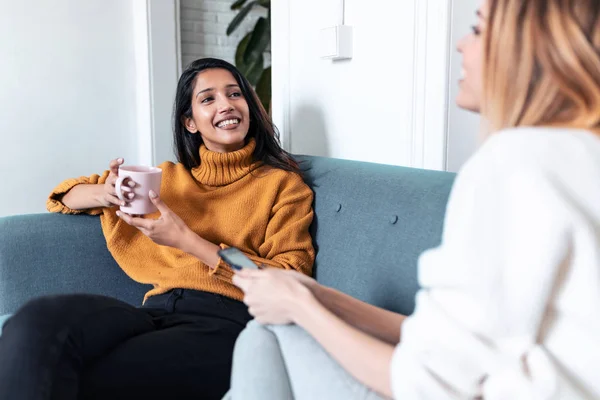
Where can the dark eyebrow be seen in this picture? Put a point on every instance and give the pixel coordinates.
(204, 91)
(210, 89)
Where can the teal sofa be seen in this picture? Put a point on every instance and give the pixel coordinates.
(371, 223)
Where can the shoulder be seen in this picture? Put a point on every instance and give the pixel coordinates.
(172, 169)
(532, 167)
(170, 166)
(283, 180)
(534, 151)
(538, 148)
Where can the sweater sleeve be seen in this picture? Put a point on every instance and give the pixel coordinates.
(288, 244)
(485, 290)
(54, 203)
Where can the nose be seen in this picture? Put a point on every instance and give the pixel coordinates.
(224, 105)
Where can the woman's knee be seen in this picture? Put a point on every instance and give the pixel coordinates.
(47, 314)
(38, 313)
(253, 333)
(256, 334)
(255, 339)
(258, 366)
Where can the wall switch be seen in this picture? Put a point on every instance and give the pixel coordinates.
(336, 42)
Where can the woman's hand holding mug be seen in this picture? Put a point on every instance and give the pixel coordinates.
(109, 196)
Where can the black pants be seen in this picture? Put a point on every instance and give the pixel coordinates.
(179, 345)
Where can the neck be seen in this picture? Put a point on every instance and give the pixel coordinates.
(225, 148)
(222, 168)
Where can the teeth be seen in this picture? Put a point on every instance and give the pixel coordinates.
(225, 123)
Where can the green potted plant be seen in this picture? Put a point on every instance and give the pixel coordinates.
(249, 55)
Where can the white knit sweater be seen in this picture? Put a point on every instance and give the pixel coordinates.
(510, 301)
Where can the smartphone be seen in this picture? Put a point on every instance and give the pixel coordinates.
(236, 258)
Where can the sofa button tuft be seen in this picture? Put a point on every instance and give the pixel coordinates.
(393, 219)
(338, 208)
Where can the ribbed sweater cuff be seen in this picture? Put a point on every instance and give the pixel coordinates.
(55, 205)
(223, 270)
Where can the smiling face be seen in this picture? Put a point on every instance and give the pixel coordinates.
(220, 112)
(471, 48)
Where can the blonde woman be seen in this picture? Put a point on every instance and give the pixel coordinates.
(509, 300)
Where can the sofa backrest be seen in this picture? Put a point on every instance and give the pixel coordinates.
(372, 222)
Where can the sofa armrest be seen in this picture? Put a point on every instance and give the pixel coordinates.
(43, 254)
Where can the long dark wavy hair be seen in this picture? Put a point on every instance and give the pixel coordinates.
(268, 148)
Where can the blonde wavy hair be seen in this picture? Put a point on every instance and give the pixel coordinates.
(542, 64)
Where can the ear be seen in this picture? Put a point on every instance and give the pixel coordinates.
(189, 124)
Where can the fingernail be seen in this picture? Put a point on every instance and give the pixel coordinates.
(122, 203)
(130, 195)
(118, 213)
(152, 194)
(120, 160)
(132, 184)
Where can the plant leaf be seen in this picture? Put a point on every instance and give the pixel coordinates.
(263, 88)
(239, 53)
(261, 37)
(250, 70)
(238, 4)
(237, 20)
(255, 69)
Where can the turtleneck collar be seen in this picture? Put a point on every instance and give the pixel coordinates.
(220, 169)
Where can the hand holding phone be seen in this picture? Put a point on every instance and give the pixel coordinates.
(236, 258)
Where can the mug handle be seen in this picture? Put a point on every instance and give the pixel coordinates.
(118, 185)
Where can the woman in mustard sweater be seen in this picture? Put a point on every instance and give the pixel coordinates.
(233, 186)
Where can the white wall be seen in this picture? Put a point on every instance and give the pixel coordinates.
(203, 29)
(392, 103)
(357, 109)
(70, 94)
(163, 64)
(463, 126)
(368, 108)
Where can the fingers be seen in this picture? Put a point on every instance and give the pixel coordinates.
(126, 189)
(127, 186)
(114, 165)
(113, 199)
(110, 192)
(237, 280)
(245, 278)
(241, 282)
(248, 273)
(145, 225)
(109, 185)
(162, 207)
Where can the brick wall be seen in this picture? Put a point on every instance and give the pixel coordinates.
(203, 29)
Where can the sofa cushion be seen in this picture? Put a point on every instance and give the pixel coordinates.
(45, 254)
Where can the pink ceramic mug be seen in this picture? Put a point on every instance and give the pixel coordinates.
(146, 179)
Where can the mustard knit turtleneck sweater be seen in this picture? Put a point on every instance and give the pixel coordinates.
(228, 200)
